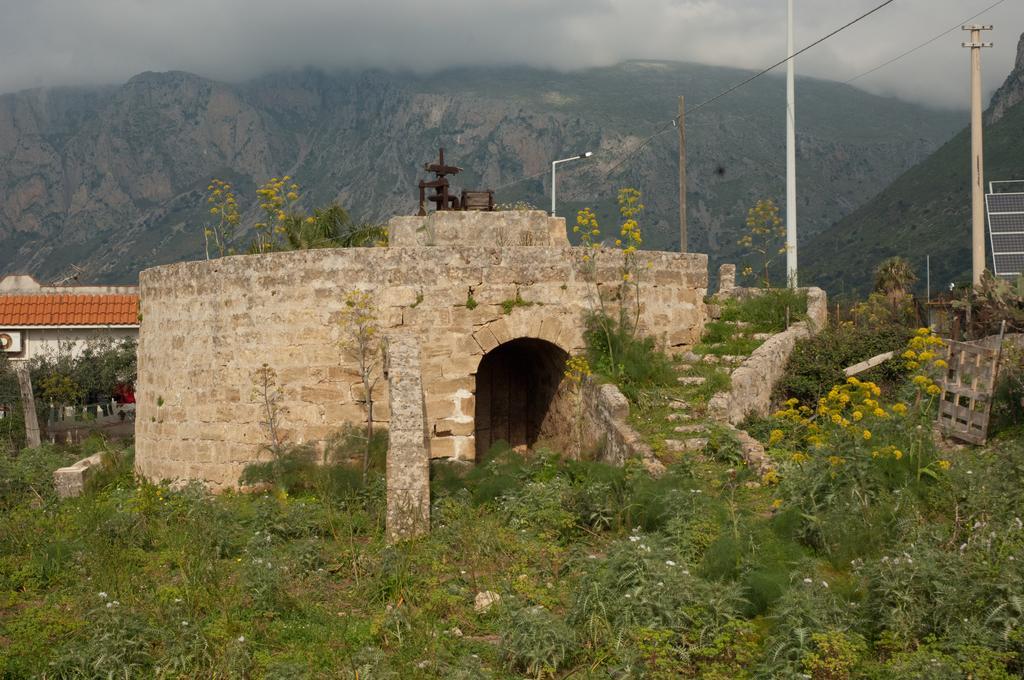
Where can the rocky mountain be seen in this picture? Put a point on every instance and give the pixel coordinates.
(112, 178)
(927, 210)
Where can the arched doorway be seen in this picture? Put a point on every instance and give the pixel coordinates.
(521, 395)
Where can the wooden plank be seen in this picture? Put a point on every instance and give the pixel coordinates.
(28, 405)
(868, 364)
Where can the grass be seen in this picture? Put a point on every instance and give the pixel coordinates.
(768, 312)
(861, 568)
(598, 568)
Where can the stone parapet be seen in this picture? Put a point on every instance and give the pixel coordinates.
(208, 326)
(502, 228)
(754, 380)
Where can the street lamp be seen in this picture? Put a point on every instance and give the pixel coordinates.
(586, 154)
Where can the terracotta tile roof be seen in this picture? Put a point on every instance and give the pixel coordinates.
(69, 310)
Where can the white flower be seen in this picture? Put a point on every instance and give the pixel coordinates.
(634, 539)
(686, 572)
(184, 623)
(116, 603)
(103, 596)
(109, 605)
(241, 638)
(670, 563)
(825, 583)
(807, 580)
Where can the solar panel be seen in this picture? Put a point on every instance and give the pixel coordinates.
(1006, 229)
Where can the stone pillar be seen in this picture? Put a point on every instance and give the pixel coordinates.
(408, 459)
(726, 279)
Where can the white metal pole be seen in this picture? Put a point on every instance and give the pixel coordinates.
(791, 260)
(928, 277)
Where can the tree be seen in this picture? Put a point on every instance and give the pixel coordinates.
(894, 277)
(361, 339)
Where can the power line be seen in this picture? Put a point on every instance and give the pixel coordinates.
(748, 81)
(926, 43)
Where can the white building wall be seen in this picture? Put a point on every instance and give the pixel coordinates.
(42, 341)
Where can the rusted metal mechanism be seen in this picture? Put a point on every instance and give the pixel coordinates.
(443, 198)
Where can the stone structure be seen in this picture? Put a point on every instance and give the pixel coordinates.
(70, 481)
(495, 300)
(408, 462)
(752, 382)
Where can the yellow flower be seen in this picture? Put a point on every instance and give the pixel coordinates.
(897, 454)
(941, 363)
(867, 435)
(924, 331)
(777, 503)
(933, 390)
(798, 457)
(836, 418)
(770, 477)
(880, 412)
(857, 415)
(835, 460)
(775, 437)
(945, 464)
(899, 408)
(921, 380)
(910, 354)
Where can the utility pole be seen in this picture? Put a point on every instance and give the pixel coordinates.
(977, 152)
(683, 248)
(791, 266)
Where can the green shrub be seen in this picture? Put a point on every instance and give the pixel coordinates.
(535, 641)
(30, 473)
(835, 655)
(767, 311)
(817, 363)
(632, 363)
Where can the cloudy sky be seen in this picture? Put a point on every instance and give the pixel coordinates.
(61, 42)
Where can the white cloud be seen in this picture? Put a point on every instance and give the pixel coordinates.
(59, 42)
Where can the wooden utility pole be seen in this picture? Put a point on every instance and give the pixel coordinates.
(683, 248)
(28, 404)
(977, 152)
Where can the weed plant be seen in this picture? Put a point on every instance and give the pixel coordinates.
(632, 363)
(845, 564)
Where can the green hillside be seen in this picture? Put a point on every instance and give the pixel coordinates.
(924, 212)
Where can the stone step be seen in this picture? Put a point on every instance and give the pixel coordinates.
(682, 368)
(678, 405)
(724, 359)
(762, 336)
(689, 429)
(686, 445)
(739, 324)
(691, 380)
(690, 357)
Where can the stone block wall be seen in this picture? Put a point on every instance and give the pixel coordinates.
(754, 380)
(208, 326)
